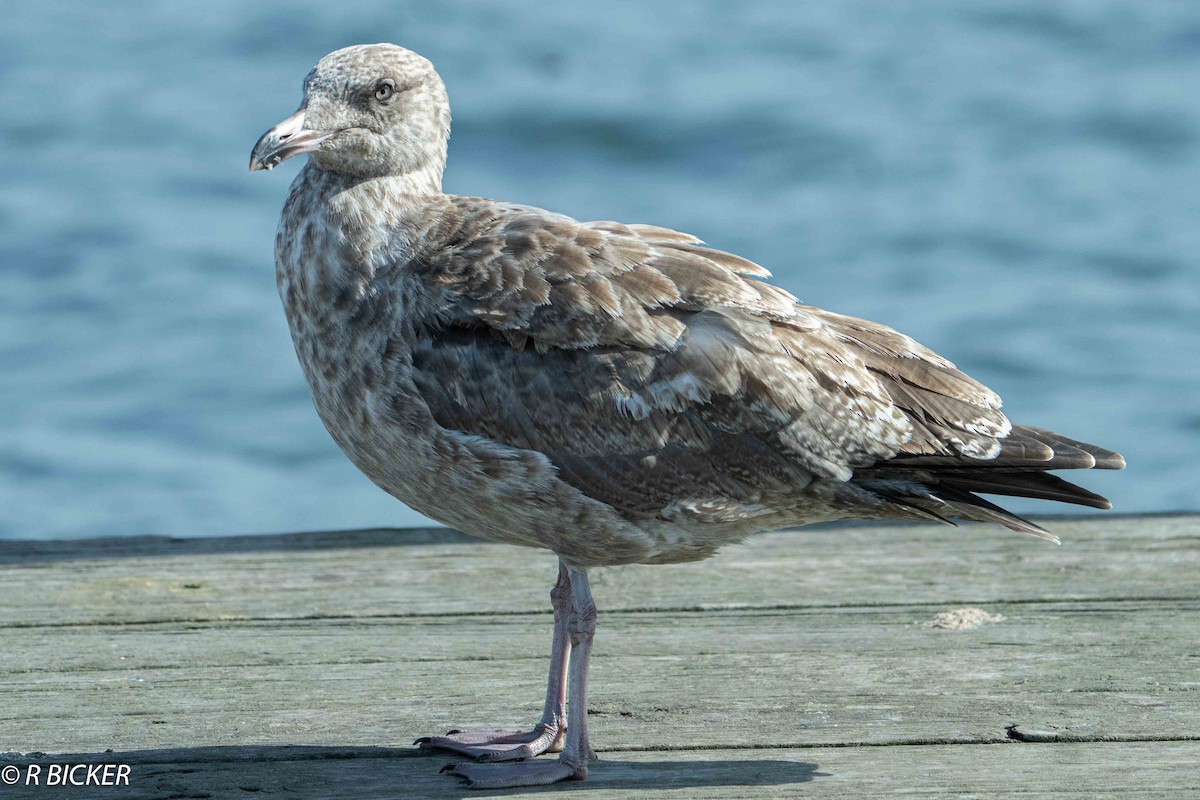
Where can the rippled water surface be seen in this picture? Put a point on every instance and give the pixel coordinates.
(1013, 183)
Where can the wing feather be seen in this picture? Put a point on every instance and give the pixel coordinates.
(652, 370)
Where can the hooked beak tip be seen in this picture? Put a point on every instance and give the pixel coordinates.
(288, 138)
(263, 162)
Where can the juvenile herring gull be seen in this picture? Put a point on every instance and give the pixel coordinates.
(618, 394)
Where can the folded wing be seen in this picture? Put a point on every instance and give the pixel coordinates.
(656, 373)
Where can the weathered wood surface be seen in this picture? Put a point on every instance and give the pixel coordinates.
(303, 665)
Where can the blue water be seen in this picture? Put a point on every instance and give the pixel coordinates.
(1015, 184)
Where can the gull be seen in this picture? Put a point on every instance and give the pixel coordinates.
(617, 394)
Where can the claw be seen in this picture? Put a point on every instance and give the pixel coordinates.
(422, 740)
(451, 733)
(447, 768)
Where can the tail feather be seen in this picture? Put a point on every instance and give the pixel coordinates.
(1038, 485)
(947, 503)
(946, 486)
(973, 507)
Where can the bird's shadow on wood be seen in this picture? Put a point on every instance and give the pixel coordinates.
(303, 771)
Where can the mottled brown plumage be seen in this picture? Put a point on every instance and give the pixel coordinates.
(614, 393)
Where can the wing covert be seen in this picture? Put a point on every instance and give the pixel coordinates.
(649, 368)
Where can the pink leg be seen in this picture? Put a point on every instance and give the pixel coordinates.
(547, 736)
(577, 753)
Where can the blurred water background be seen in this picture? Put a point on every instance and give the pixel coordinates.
(1013, 183)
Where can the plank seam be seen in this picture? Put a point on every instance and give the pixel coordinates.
(716, 609)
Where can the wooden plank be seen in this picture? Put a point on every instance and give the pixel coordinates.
(381, 573)
(753, 661)
(830, 676)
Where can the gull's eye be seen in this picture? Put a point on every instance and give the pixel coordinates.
(385, 90)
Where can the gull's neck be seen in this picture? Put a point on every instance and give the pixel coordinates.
(424, 181)
(374, 220)
(358, 202)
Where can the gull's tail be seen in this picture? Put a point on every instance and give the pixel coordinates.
(947, 487)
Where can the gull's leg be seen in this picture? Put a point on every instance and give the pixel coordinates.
(577, 753)
(547, 735)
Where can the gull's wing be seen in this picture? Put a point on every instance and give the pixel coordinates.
(657, 374)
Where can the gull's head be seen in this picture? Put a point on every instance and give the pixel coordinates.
(368, 111)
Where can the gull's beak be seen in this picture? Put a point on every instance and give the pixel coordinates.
(288, 138)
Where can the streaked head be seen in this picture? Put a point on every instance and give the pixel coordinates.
(368, 111)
